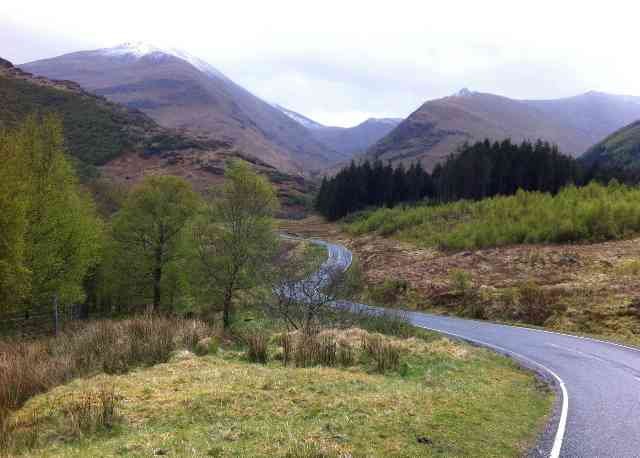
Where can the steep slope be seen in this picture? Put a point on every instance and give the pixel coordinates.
(180, 91)
(619, 150)
(125, 144)
(347, 141)
(440, 126)
(96, 130)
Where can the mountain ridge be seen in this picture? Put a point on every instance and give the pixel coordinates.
(176, 93)
(438, 127)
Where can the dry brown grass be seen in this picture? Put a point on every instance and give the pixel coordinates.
(31, 367)
(593, 287)
(257, 348)
(222, 406)
(353, 346)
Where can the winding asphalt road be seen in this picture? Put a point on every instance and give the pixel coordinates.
(598, 383)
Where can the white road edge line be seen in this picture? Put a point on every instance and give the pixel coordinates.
(562, 424)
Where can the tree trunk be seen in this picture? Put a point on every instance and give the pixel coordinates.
(157, 280)
(227, 310)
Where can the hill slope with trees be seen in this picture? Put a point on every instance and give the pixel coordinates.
(480, 170)
(96, 130)
(619, 150)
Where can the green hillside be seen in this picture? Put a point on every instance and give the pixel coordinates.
(619, 150)
(96, 130)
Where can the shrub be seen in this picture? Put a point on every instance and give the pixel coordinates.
(593, 212)
(390, 322)
(346, 356)
(389, 292)
(287, 348)
(460, 281)
(92, 411)
(631, 268)
(207, 346)
(258, 351)
(476, 309)
(307, 350)
(385, 354)
(29, 368)
(536, 305)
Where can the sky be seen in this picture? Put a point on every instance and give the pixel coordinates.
(341, 62)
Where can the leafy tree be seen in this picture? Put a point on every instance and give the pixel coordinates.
(235, 237)
(148, 237)
(13, 223)
(51, 234)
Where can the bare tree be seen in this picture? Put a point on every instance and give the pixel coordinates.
(306, 291)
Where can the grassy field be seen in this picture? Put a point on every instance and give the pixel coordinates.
(451, 400)
(591, 213)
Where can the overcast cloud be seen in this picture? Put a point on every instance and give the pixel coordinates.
(340, 62)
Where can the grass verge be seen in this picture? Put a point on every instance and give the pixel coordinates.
(442, 399)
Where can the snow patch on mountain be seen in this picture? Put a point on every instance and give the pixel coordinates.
(139, 49)
(300, 119)
(464, 92)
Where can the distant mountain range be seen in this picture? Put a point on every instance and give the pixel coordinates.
(347, 141)
(182, 92)
(440, 126)
(178, 90)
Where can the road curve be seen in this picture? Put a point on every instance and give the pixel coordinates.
(598, 383)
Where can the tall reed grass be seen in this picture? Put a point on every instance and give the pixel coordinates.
(28, 368)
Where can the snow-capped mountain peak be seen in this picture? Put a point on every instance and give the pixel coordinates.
(464, 92)
(133, 48)
(139, 49)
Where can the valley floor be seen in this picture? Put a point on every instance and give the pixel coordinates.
(595, 284)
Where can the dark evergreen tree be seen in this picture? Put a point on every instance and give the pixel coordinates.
(476, 171)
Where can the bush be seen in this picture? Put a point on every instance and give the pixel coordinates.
(389, 292)
(258, 350)
(593, 213)
(313, 350)
(390, 322)
(536, 304)
(346, 356)
(92, 411)
(29, 368)
(385, 354)
(460, 281)
(307, 350)
(207, 346)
